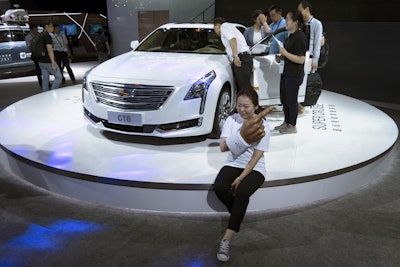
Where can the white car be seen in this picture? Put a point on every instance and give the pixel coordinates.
(177, 82)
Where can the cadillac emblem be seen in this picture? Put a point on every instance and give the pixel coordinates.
(130, 93)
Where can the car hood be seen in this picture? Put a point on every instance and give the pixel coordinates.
(158, 66)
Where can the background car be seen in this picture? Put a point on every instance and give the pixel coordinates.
(15, 57)
(177, 82)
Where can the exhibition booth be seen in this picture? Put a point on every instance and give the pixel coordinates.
(342, 144)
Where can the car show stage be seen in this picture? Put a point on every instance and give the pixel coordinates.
(342, 144)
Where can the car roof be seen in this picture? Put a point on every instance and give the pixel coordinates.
(12, 26)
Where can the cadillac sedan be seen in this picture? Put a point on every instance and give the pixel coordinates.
(177, 82)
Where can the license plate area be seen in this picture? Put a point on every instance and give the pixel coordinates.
(134, 119)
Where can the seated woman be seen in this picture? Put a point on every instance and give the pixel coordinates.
(244, 170)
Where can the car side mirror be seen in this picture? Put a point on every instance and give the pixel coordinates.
(134, 44)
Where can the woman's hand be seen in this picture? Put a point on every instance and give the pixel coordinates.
(283, 51)
(262, 19)
(235, 184)
(292, 57)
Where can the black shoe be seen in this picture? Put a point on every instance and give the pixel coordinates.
(63, 80)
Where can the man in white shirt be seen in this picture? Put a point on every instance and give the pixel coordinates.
(238, 52)
(315, 32)
(60, 48)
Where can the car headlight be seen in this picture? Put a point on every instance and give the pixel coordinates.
(85, 85)
(199, 89)
(84, 81)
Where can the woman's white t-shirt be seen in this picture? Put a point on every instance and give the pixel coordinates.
(233, 124)
(256, 36)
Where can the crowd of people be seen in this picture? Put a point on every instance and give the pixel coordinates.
(51, 53)
(245, 134)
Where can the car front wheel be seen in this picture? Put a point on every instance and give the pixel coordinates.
(222, 112)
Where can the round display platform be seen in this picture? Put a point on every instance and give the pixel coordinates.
(342, 144)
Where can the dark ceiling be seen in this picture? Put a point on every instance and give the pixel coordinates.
(99, 6)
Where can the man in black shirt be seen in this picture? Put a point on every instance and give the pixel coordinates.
(47, 62)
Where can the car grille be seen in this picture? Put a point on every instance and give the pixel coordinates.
(131, 96)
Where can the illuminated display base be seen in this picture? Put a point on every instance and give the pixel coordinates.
(342, 144)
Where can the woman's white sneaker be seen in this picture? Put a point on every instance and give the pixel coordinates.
(223, 252)
(290, 129)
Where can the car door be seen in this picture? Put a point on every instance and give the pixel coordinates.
(13, 50)
(267, 72)
(20, 52)
(6, 47)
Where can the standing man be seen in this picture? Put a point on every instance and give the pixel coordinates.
(60, 48)
(278, 22)
(102, 46)
(30, 40)
(238, 52)
(315, 32)
(47, 61)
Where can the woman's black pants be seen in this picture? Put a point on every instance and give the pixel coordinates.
(236, 203)
(289, 91)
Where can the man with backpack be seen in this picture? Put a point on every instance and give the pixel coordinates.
(43, 50)
(30, 40)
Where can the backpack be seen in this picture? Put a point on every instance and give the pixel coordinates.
(37, 47)
(313, 89)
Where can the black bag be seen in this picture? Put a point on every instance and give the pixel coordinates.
(37, 47)
(324, 54)
(313, 89)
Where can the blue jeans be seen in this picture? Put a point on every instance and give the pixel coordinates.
(46, 72)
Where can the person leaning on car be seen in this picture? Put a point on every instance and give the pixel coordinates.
(238, 52)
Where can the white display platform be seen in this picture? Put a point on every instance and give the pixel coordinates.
(342, 144)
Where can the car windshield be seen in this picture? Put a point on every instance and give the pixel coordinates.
(10, 36)
(183, 40)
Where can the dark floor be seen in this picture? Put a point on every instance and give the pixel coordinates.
(39, 228)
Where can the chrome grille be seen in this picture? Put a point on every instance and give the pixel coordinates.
(131, 96)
